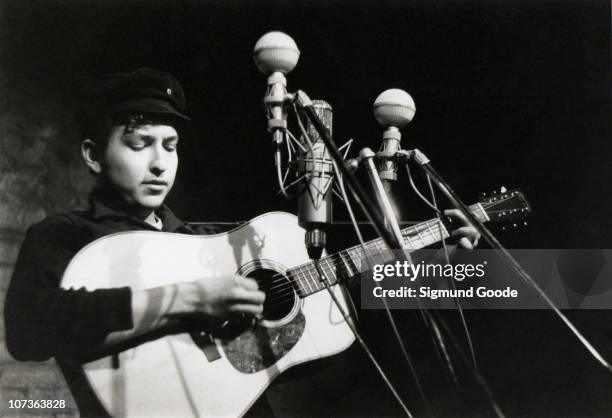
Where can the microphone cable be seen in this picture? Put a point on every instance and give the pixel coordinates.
(478, 376)
(323, 279)
(433, 204)
(390, 317)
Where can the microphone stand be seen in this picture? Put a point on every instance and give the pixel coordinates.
(424, 163)
(392, 236)
(392, 240)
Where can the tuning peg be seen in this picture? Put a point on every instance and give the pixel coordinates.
(503, 189)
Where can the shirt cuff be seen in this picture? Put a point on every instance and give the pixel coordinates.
(116, 309)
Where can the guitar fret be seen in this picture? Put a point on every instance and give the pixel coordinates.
(325, 275)
(424, 235)
(432, 233)
(408, 242)
(421, 238)
(382, 257)
(352, 259)
(316, 281)
(313, 283)
(442, 231)
(310, 278)
(299, 273)
(332, 271)
(377, 251)
(307, 280)
(375, 254)
(322, 280)
(346, 265)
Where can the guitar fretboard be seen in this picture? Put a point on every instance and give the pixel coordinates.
(348, 263)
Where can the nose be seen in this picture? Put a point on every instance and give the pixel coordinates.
(159, 161)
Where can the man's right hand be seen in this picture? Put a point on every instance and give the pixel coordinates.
(222, 296)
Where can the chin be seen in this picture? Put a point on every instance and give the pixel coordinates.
(151, 202)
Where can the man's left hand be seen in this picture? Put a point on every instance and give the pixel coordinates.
(465, 234)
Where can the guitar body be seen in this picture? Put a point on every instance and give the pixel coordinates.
(182, 375)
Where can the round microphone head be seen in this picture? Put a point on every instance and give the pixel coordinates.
(275, 51)
(394, 107)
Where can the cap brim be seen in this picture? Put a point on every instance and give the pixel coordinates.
(149, 106)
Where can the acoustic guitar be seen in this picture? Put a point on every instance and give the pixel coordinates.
(197, 374)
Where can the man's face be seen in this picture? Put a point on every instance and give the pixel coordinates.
(140, 164)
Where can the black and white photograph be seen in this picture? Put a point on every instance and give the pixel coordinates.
(308, 208)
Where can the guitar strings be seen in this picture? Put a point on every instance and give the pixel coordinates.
(295, 273)
(302, 270)
(332, 261)
(375, 243)
(289, 289)
(284, 284)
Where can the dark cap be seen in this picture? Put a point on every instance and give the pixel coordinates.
(144, 90)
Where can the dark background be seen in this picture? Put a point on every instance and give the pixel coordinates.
(513, 93)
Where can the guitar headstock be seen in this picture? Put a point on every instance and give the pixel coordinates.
(509, 206)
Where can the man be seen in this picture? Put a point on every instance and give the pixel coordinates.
(131, 137)
(131, 148)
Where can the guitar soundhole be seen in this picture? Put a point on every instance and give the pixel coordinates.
(280, 293)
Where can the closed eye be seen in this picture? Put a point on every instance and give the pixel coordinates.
(136, 145)
(135, 141)
(171, 144)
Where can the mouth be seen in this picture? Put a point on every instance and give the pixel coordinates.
(155, 183)
(156, 186)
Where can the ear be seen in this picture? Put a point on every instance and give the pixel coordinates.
(91, 155)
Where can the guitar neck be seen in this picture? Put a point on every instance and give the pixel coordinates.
(348, 263)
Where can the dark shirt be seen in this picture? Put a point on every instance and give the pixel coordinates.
(45, 321)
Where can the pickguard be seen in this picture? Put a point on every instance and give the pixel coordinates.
(260, 346)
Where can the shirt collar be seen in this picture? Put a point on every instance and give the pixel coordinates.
(103, 205)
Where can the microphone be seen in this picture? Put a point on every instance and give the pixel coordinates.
(276, 54)
(315, 192)
(393, 109)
